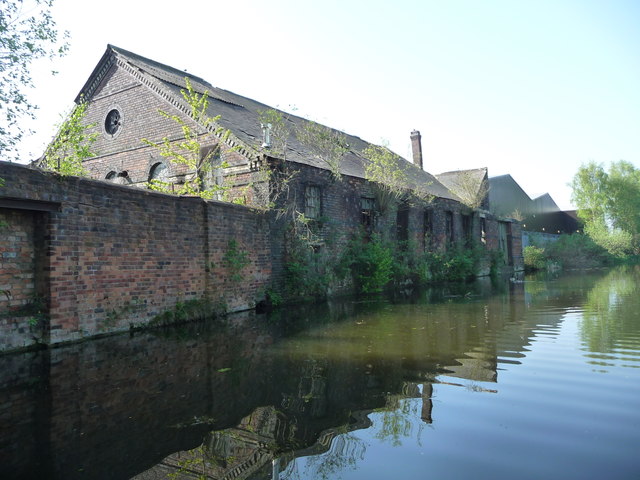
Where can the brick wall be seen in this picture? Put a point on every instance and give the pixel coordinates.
(116, 256)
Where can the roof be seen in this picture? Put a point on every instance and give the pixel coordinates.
(466, 184)
(241, 116)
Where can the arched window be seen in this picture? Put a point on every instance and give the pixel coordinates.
(160, 172)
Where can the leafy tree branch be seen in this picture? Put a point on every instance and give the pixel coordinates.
(71, 145)
(28, 32)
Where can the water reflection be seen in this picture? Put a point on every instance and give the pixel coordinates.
(609, 327)
(297, 395)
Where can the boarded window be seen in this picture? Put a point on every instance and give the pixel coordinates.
(312, 201)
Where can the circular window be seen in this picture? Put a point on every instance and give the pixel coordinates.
(112, 122)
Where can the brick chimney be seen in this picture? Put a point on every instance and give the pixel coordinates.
(416, 148)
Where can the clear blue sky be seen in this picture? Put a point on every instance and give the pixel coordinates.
(530, 88)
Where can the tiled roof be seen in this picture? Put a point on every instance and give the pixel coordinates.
(241, 115)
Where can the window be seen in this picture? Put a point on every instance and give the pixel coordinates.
(466, 229)
(312, 201)
(402, 226)
(112, 122)
(448, 227)
(428, 228)
(367, 207)
(483, 230)
(159, 172)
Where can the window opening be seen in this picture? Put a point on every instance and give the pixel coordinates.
(312, 201)
(367, 207)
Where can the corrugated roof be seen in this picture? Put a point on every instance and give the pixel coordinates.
(241, 115)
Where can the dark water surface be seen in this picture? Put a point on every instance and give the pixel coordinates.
(529, 380)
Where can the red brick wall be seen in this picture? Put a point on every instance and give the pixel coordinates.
(118, 256)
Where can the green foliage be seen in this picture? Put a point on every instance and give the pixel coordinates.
(27, 33)
(611, 310)
(188, 310)
(308, 269)
(534, 258)
(370, 263)
(384, 170)
(454, 265)
(327, 144)
(389, 175)
(279, 131)
(609, 205)
(189, 151)
(578, 251)
(235, 260)
(71, 145)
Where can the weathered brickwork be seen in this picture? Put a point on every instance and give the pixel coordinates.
(124, 156)
(116, 256)
(17, 258)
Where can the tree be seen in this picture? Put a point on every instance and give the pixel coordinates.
(71, 145)
(326, 144)
(189, 150)
(609, 205)
(27, 33)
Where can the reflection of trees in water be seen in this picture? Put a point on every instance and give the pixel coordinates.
(610, 316)
(345, 451)
(398, 420)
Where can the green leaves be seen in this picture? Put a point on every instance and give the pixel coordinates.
(27, 33)
(609, 205)
(327, 144)
(190, 151)
(71, 145)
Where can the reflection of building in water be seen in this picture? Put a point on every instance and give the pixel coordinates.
(330, 390)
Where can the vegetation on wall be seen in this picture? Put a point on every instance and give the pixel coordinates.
(372, 264)
(389, 175)
(72, 144)
(200, 131)
(327, 144)
(235, 260)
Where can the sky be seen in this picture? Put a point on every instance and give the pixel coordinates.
(530, 88)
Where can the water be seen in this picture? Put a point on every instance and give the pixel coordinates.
(539, 379)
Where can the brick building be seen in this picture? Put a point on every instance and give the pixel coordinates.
(126, 91)
(98, 252)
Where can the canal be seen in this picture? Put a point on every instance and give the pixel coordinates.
(529, 380)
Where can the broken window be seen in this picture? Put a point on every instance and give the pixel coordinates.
(312, 201)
